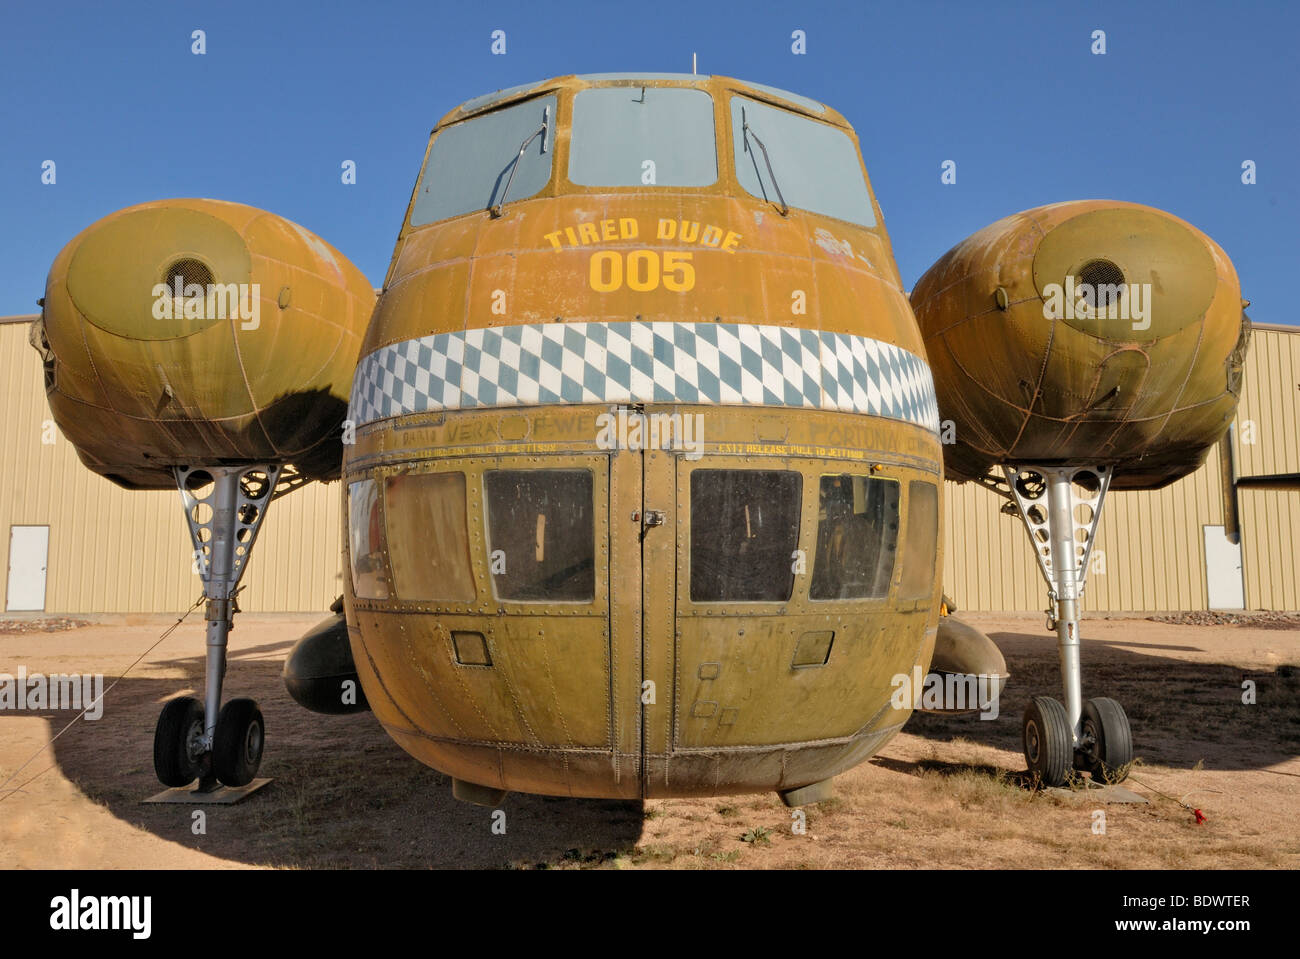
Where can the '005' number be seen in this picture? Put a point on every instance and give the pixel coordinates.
(641, 270)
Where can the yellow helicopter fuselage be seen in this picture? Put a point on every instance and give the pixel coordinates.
(645, 493)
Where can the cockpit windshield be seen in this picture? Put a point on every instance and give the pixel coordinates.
(800, 162)
(470, 162)
(643, 136)
(639, 135)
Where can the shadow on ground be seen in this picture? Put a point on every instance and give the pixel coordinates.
(344, 794)
(1182, 712)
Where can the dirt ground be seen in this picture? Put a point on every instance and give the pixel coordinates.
(947, 792)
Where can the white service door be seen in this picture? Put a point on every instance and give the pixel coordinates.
(1223, 570)
(29, 548)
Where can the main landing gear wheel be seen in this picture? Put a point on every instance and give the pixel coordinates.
(1106, 749)
(224, 509)
(237, 744)
(1048, 741)
(178, 753)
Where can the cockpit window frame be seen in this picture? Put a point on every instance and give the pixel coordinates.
(724, 182)
(547, 188)
(734, 110)
(727, 185)
(457, 117)
(575, 106)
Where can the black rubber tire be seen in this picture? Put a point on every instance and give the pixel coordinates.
(173, 758)
(1049, 746)
(1109, 754)
(238, 742)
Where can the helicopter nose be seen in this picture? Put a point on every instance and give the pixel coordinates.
(1125, 274)
(125, 267)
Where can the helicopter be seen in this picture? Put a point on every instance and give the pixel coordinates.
(642, 442)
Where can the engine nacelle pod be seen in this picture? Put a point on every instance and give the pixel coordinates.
(186, 332)
(1085, 333)
(319, 669)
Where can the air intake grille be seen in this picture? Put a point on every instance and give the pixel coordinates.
(1105, 281)
(189, 270)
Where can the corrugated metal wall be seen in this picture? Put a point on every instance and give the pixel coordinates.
(117, 551)
(1149, 554)
(112, 550)
(1270, 412)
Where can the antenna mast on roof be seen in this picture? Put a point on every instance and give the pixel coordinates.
(693, 70)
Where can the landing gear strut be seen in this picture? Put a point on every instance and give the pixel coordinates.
(1061, 509)
(224, 508)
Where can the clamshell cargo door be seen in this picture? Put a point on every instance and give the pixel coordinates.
(560, 676)
(720, 553)
(644, 523)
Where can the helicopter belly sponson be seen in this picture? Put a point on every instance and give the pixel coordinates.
(492, 352)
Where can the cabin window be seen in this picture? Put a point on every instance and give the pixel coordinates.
(541, 535)
(643, 136)
(428, 537)
(470, 162)
(920, 550)
(814, 166)
(857, 538)
(366, 541)
(744, 533)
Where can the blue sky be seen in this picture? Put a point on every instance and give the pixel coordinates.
(1010, 91)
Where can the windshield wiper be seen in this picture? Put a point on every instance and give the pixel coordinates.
(546, 119)
(748, 132)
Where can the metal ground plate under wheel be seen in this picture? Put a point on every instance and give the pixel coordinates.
(221, 796)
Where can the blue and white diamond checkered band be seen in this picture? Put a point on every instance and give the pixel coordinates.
(727, 364)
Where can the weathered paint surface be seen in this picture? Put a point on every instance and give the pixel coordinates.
(562, 708)
(137, 393)
(560, 711)
(1147, 393)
